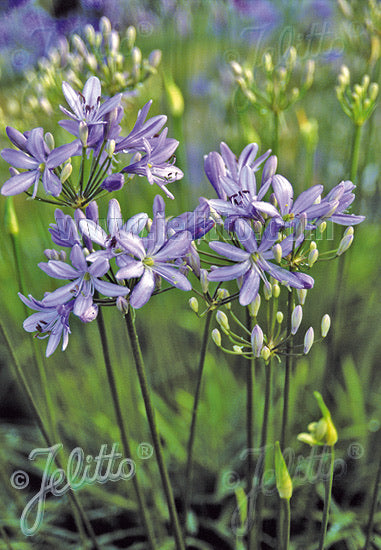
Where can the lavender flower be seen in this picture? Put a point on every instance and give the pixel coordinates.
(151, 257)
(50, 322)
(85, 280)
(35, 157)
(86, 106)
(253, 261)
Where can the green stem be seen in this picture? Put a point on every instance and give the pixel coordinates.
(140, 368)
(250, 375)
(287, 373)
(355, 154)
(258, 502)
(122, 427)
(275, 150)
(5, 538)
(192, 431)
(286, 523)
(327, 499)
(373, 506)
(40, 422)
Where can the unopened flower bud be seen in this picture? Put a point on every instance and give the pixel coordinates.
(349, 231)
(237, 349)
(345, 243)
(301, 294)
(89, 34)
(79, 45)
(236, 68)
(322, 227)
(51, 254)
(204, 280)
(62, 256)
(267, 290)
(90, 314)
(257, 340)
(308, 340)
(110, 147)
(276, 290)
(83, 131)
(222, 320)
(277, 252)
(265, 353)
(313, 256)
(269, 168)
(216, 337)
(193, 304)
(268, 62)
(105, 25)
(130, 36)
(300, 225)
(373, 91)
(325, 325)
(91, 60)
(49, 140)
(296, 319)
(175, 98)
(114, 182)
(136, 55)
(122, 304)
(254, 306)
(66, 172)
(154, 58)
(279, 317)
(283, 479)
(113, 42)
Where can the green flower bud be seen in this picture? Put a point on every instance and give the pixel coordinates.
(154, 58)
(222, 320)
(276, 290)
(204, 280)
(322, 227)
(345, 243)
(322, 432)
(237, 349)
(90, 34)
(216, 337)
(66, 172)
(349, 231)
(105, 25)
(130, 36)
(267, 290)
(83, 133)
(301, 294)
(110, 147)
(136, 55)
(325, 325)
(174, 97)
(254, 306)
(265, 353)
(308, 340)
(236, 68)
(193, 304)
(277, 252)
(373, 91)
(312, 257)
(49, 140)
(283, 479)
(296, 319)
(279, 317)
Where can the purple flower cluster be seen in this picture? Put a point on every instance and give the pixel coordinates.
(96, 127)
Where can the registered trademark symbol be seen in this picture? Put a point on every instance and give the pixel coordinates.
(231, 480)
(145, 450)
(355, 451)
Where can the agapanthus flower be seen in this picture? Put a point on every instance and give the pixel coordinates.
(50, 321)
(64, 232)
(86, 106)
(235, 183)
(109, 240)
(155, 165)
(85, 279)
(253, 262)
(198, 222)
(310, 204)
(151, 258)
(142, 130)
(39, 162)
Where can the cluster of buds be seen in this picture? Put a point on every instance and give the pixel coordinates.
(359, 102)
(273, 344)
(275, 92)
(114, 59)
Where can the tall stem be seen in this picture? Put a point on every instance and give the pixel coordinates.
(250, 375)
(327, 499)
(286, 523)
(276, 132)
(140, 368)
(122, 427)
(355, 154)
(40, 422)
(373, 506)
(287, 373)
(192, 432)
(258, 480)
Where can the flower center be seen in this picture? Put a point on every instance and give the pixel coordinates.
(87, 277)
(41, 167)
(148, 262)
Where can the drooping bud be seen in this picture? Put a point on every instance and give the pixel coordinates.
(301, 294)
(322, 432)
(122, 304)
(283, 479)
(296, 318)
(265, 353)
(222, 320)
(345, 243)
(216, 337)
(193, 304)
(204, 280)
(257, 340)
(49, 140)
(325, 325)
(308, 340)
(313, 256)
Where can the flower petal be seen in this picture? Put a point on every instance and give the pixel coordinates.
(173, 276)
(229, 251)
(19, 183)
(143, 290)
(229, 272)
(250, 287)
(283, 192)
(110, 289)
(18, 159)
